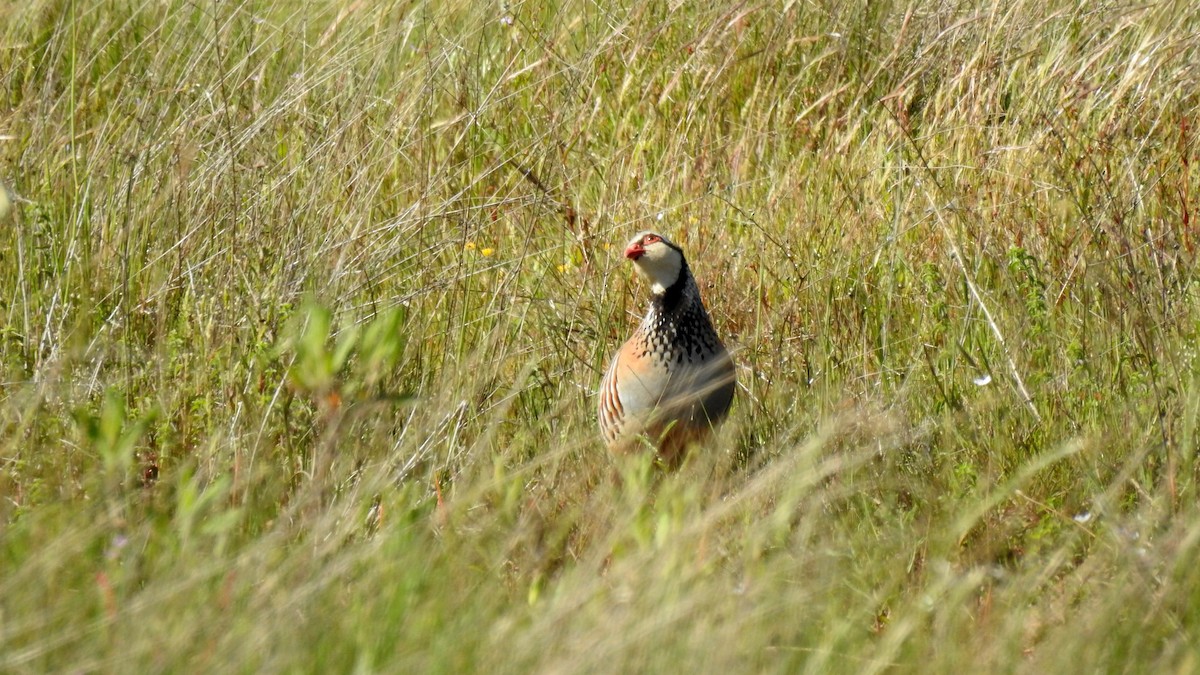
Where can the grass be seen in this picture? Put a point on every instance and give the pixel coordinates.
(302, 308)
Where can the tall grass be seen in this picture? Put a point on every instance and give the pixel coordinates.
(302, 306)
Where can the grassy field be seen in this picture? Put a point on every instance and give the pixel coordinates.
(303, 306)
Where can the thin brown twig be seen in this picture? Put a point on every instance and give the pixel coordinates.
(568, 212)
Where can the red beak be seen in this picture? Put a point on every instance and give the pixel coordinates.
(635, 251)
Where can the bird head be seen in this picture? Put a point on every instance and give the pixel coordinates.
(657, 258)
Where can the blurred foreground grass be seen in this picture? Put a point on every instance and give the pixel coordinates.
(302, 306)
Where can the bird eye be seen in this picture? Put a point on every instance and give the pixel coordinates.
(651, 239)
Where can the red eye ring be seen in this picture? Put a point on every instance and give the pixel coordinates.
(651, 239)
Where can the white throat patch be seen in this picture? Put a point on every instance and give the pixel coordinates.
(660, 265)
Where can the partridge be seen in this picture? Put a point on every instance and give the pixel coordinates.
(673, 380)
